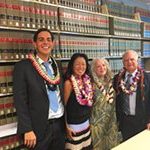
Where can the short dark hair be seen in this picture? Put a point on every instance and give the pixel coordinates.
(69, 70)
(41, 30)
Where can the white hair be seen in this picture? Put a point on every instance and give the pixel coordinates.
(109, 73)
(130, 51)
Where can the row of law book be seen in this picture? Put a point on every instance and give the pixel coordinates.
(56, 49)
(12, 142)
(6, 79)
(124, 27)
(119, 9)
(26, 14)
(88, 5)
(119, 46)
(76, 21)
(146, 30)
(142, 63)
(143, 12)
(115, 65)
(146, 48)
(15, 45)
(7, 111)
(93, 47)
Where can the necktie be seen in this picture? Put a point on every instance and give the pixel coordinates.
(52, 95)
(126, 108)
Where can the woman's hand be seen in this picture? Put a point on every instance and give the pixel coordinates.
(70, 132)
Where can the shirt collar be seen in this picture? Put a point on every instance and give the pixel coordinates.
(133, 74)
(41, 61)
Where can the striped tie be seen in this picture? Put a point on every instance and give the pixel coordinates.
(126, 108)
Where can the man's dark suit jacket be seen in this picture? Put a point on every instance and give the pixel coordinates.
(142, 107)
(31, 99)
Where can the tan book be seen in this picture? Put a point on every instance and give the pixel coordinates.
(6, 143)
(53, 18)
(3, 143)
(17, 141)
(61, 19)
(22, 14)
(3, 82)
(1, 49)
(2, 112)
(27, 14)
(3, 14)
(11, 142)
(22, 45)
(9, 77)
(37, 15)
(9, 12)
(8, 110)
(4, 45)
(47, 16)
(42, 16)
(32, 15)
(15, 13)
(10, 44)
(16, 45)
(12, 109)
(28, 46)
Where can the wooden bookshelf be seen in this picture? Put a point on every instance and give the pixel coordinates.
(85, 27)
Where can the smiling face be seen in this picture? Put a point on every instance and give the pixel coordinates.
(100, 68)
(79, 66)
(44, 44)
(130, 61)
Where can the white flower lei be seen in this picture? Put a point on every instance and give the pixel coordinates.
(133, 85)
(36, 65)
(109, 93)
(84, 95)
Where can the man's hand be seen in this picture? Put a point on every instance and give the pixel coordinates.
(148, 126)
(30, 139)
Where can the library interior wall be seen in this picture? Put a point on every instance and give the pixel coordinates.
(99, 28)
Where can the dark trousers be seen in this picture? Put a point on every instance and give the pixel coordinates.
(130, 126)
(54, 137)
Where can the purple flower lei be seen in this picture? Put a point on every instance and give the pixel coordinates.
(84, 94)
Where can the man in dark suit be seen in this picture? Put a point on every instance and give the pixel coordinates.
(37, 96)
(132, 86)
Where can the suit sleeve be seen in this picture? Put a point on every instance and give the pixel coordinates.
(21, 98)
(147, 95)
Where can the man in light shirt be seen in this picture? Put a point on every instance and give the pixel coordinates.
(38, 97)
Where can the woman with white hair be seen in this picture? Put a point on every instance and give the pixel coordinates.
(103, 117)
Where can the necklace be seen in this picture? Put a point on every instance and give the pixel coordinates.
(84, 94)
(108, 92)
(43, 73)
(133, 85)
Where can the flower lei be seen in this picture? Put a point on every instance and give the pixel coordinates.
(109, 93)
(84, 94)
(42, 72)
(138, 76)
